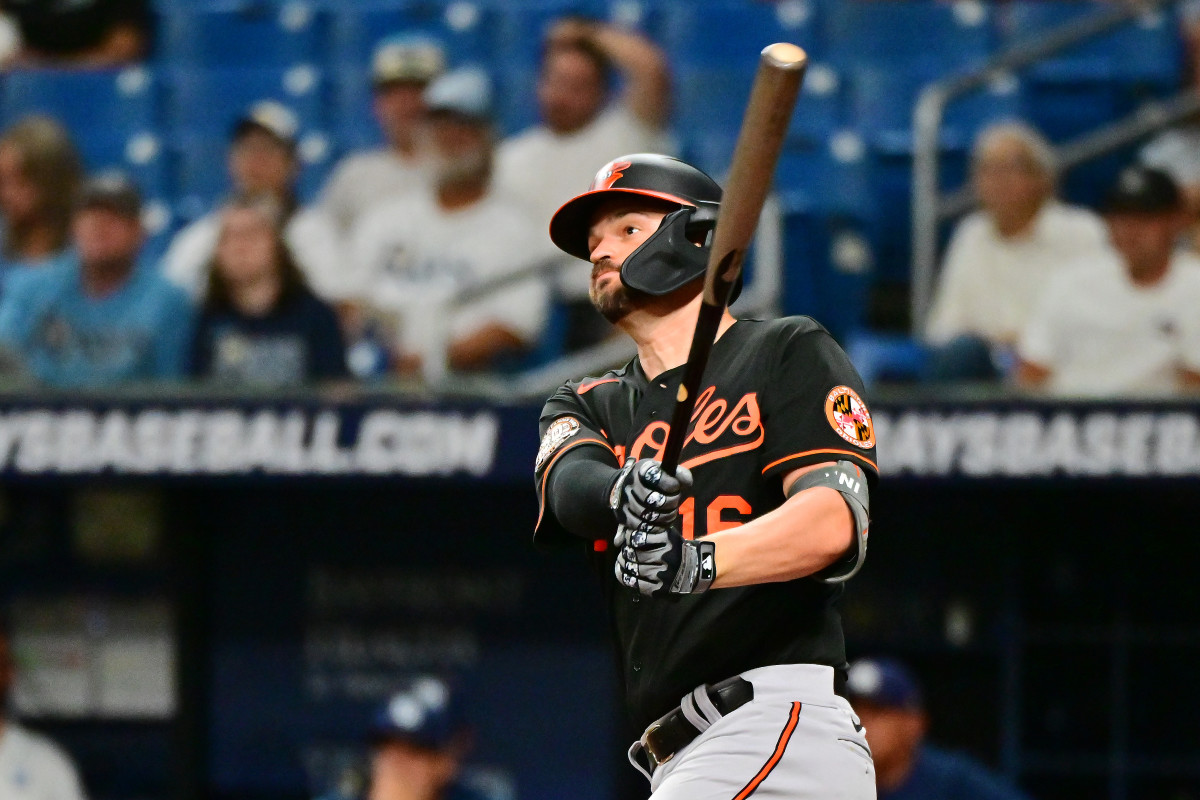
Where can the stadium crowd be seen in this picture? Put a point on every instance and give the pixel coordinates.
(427, 255)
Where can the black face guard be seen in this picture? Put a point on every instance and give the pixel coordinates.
(670, 259)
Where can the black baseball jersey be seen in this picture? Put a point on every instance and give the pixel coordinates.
(778, 395)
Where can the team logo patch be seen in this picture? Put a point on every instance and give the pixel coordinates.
(559, 431)
(609, 174)
(849, 417)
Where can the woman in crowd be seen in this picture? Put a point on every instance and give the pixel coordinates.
(40, 174)
(260, 323)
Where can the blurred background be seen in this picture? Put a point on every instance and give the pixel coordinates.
(278, 312)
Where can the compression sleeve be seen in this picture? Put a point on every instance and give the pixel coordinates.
(577, 493)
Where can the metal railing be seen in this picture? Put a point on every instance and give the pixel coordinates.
(930, 207)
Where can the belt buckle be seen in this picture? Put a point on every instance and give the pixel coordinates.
(656, 760)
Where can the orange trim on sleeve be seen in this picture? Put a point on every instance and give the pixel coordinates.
(784, 737)
(774, 464)
(584, 388)
(550, 465)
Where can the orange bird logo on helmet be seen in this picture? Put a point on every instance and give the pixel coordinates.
(609, 174)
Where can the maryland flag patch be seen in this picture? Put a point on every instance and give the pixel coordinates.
(849, 417)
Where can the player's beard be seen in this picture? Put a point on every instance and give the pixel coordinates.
(616, 301)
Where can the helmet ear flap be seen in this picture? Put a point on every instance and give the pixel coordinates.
(668, 259)
(702, 223)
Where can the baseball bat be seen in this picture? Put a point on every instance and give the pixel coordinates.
(781, 69)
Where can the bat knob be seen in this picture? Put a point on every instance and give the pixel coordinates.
(785, 55)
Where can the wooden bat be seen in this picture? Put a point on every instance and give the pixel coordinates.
(781, 69)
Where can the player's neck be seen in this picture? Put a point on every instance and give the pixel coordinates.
(664, 338)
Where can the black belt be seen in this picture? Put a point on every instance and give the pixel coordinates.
(674, 731)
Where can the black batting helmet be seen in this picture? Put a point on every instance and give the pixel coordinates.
(669, 259)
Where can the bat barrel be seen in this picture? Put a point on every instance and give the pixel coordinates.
(768, 114)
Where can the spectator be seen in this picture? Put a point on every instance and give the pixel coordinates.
(584, 124)
(1125, 321)
(1001, 256)
(888, 702)
(400, 70)
(1176, 151)
(260, 323)
(262, 161)
(31, 766)
(100, 317)
(414, 255)
(86, 33)
(39, 177)
(418, 741)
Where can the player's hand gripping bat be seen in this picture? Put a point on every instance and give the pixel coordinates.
(768, 112)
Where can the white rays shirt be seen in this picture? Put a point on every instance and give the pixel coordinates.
(412, 258)
(1101, 335)
(34, 768)
(990, 284)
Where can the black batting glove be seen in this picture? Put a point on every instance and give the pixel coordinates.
(657, 561)
(643, 494)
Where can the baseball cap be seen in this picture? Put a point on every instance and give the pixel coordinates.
(883, 682)
(465, 92)
(273, 117)
(424, 711)
(112, 190)
(1143, 190)
(409, 57)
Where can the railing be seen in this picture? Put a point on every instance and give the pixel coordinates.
(930, 207)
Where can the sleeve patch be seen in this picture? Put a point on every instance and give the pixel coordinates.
(849, 417)
(559, 432)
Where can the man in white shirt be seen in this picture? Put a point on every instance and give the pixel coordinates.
(1126, 322)
(415, 257)
(584, 124)
(262, 162)
(1001, 256)
(31, 766)
(401, 67)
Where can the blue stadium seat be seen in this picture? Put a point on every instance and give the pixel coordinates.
(242, 34)
(710, 103)
(210, 101)
(645, 16)
(1148, 50)
(113, 116)
(886, 357)
(352, 120)
(882, 101)
(821, 108)
(831, 177)
(729, 34)
(466, 28)
(938, 36)
(87, 102)
(203, 106)
(827, 266)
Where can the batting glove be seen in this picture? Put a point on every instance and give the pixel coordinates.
(642, 494)
(657, 561)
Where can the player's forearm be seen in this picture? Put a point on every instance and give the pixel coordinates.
(644, 67)
(803, 536)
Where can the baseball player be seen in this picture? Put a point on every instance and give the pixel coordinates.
(722, 580)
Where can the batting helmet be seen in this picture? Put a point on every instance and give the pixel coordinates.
(669, 258)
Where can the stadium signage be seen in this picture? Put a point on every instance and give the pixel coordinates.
(232, 441)
(309, 438)
(1076, 442)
